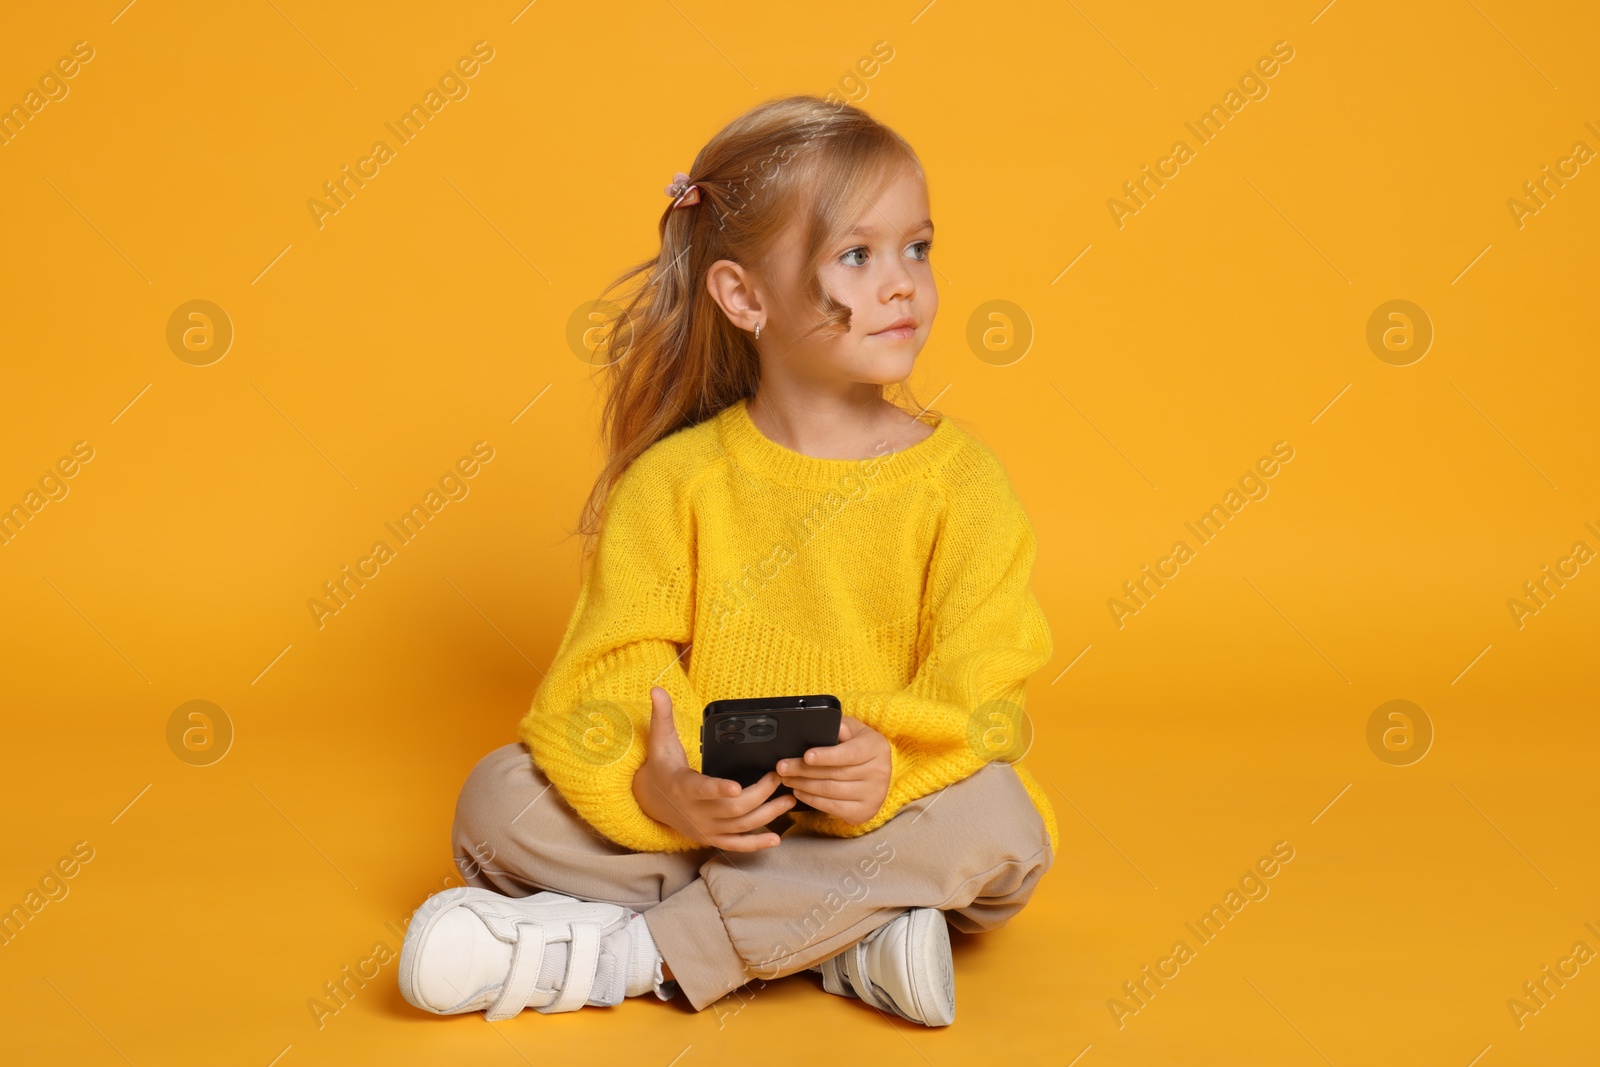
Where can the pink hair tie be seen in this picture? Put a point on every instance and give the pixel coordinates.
(684, 194)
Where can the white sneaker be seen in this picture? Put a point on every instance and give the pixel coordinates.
(903, 966)
(469, 949)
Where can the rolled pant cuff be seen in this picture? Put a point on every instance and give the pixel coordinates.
(688, 931)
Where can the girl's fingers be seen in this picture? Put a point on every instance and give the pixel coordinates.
(731, 801)
(663, 744)
(844, 754)
(705, 787)
(864, 773)
(827, 787)
(748, 798)
(759, 817)
(794, 768)
(821, 803)
(743, 842)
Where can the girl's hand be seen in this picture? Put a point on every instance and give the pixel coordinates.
(713, 811)
(850, 779)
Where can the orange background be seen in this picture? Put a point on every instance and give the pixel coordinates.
(431, 312)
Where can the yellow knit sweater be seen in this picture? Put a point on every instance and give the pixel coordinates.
(730, 566)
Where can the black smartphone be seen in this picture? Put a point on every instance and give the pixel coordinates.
(743, 739)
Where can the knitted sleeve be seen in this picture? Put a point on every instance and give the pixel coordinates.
(589, 724)
(982, 634)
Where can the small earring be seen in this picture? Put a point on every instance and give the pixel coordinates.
(758, 331)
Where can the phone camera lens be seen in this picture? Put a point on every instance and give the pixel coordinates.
(761, 730)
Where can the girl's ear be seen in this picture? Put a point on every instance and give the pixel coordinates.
(732, 286)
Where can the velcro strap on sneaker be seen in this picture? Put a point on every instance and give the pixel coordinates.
(527, 957)
(499, 924)
(833, 979)
(854, 965)
(583, 959)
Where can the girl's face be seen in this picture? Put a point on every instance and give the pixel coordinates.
(882, 272)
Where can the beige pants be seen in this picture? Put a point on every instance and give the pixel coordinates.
(975, 849)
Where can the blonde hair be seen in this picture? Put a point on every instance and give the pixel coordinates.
(681, 361)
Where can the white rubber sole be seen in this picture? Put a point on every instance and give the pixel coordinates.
(933, 990)
(920, 982)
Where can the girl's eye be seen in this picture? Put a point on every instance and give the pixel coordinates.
(861, 250)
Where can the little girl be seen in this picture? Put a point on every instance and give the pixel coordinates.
(768, 525)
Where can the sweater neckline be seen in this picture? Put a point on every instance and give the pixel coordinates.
(759, 454)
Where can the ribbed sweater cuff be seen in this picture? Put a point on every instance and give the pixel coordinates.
(628, 825)
(606, 802)
(899, 713)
